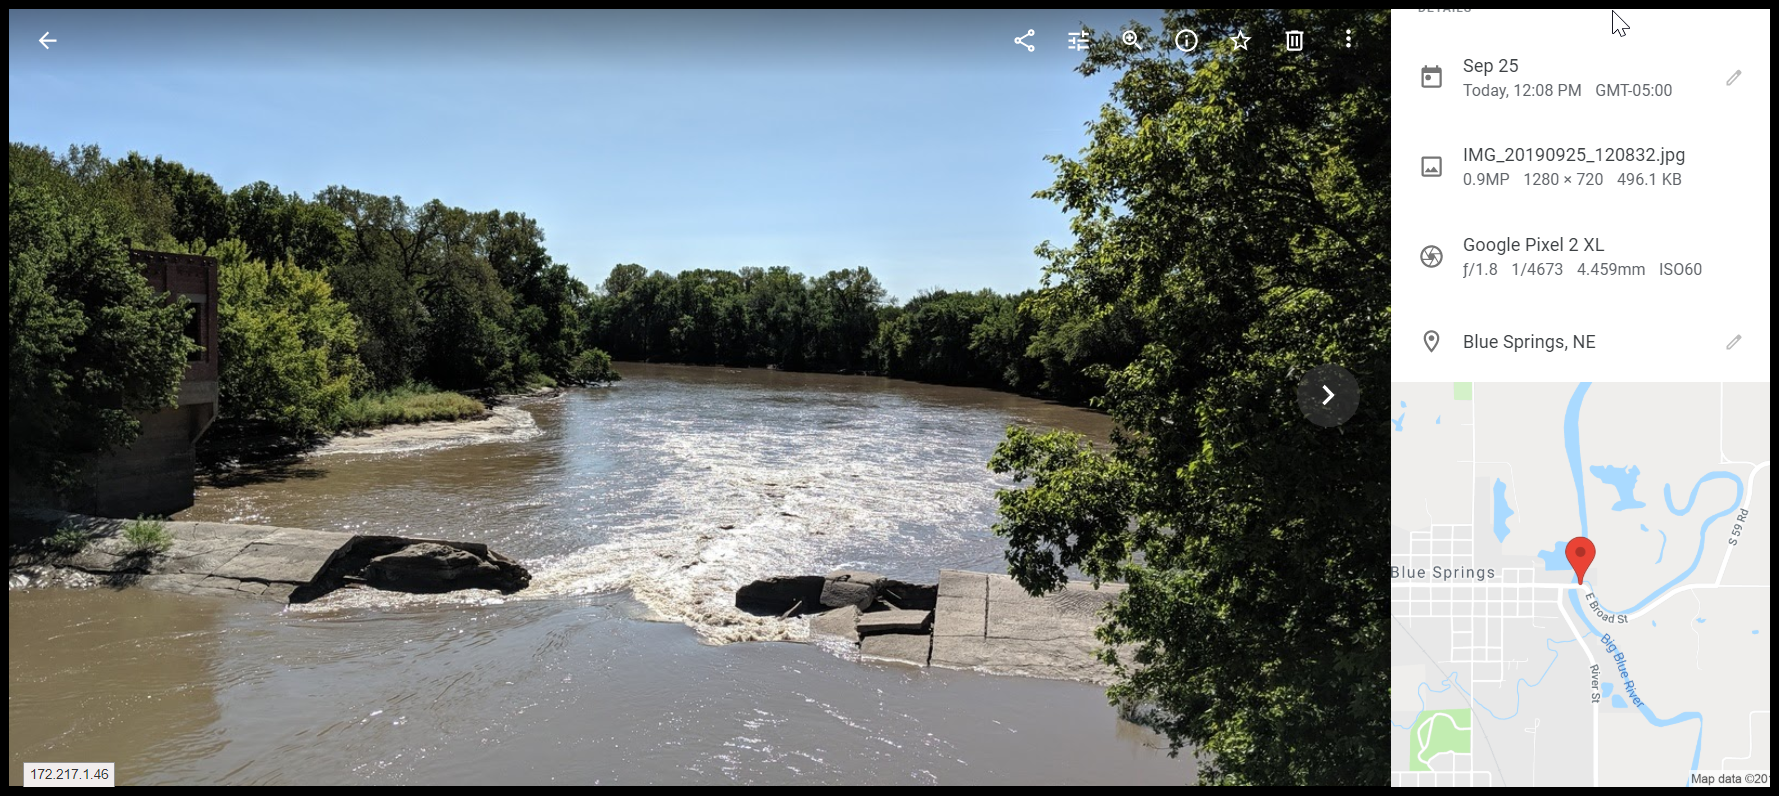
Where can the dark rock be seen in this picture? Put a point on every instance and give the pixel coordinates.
(792, 594)
(352, 565)
(836, 593)
(871, 579)
(427, 567)
(878, 622)
(908, 596)
(846, 587)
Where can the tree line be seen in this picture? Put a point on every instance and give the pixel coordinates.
(844, 321)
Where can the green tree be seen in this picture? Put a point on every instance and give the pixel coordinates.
(931, 338)
(277, 226)
(592, 367)
(90, 342)
(289, 348)
(1001, 342)
(380, 284)
(184, 205)
(1236, 207)
(843, 305)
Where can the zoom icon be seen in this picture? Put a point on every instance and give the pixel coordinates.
(1431, 256)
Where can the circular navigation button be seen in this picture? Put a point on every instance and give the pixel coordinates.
(1328, 395)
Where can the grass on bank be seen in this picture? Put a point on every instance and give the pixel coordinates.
(415, 403)
(147, 535)
(69, 538)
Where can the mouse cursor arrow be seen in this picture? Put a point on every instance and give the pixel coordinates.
(1618, 25)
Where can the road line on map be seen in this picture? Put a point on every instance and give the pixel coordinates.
(1725, 764)
(1746, 499)
(1690, 587)
(1596, 705)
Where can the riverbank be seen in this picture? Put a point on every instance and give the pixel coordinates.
(236, 455)
(501, 422)
(408, 404)
(294, 565)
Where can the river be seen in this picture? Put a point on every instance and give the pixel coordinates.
(650, 500)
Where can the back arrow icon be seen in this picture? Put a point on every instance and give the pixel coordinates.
(1330, 395)
(45, 40)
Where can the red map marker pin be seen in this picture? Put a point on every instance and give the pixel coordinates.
(1580, 551)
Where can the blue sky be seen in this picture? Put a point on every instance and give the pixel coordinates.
(907, 143)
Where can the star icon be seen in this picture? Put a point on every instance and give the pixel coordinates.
(1241, 38)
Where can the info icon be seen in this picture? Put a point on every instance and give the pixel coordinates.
(1432, 77)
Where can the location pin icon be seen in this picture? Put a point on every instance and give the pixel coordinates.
(1431, 338)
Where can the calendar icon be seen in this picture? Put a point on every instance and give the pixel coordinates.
(1432, 77)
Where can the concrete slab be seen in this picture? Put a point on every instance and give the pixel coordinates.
(1068, 613)
(960, 583)
(962, 606)
(910, 648)
(988, 622)
(876, 622)
(1054, 660)
(839, 623)
(286, 555)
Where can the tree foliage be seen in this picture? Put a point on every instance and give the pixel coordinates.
(90, 341)
(289, 348)
(1231, 214)
(346, 292)
(844, 321)
(592, 367)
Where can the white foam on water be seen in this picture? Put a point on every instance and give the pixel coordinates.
(799, 502)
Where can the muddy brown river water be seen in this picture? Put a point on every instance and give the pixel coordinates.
(651, 500)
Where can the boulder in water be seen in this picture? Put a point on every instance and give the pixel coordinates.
(849, 587)
(791, 595)
(428, 567)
